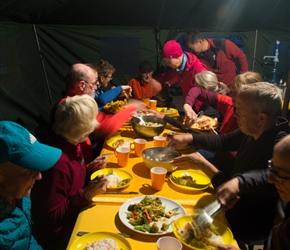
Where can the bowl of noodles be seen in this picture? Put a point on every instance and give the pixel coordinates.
(153, 126)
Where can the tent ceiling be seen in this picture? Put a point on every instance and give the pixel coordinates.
(208, 15)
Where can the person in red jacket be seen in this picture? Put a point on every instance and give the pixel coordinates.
(83, 79)
(217, 54)
(183, 67)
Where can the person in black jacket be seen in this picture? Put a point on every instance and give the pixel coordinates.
(258, 106)
(255, 182)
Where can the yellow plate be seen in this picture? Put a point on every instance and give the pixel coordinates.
(202, 181)
(222, 229)
(119, 172)
(113, 139)
(81, 242)
(164, 111)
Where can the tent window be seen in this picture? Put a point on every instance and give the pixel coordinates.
(122, 52)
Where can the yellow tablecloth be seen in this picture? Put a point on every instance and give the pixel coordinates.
(104, 216)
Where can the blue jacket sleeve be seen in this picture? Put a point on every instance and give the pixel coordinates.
(108, 96)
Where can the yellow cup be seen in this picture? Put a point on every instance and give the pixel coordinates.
(152, 104)
(146, 101)
(157, 175)
(122, 155)
(139, 145)
(159, 141)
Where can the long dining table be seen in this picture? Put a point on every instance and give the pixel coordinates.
(103, 215)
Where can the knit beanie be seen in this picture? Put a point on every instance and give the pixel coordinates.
(171, 49)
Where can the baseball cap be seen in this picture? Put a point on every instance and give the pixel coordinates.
(171, 49)
(20, 147)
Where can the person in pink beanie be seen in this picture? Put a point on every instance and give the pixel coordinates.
(183, 67)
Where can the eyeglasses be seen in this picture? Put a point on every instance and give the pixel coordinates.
(110, 77)
(94, 83)
(275, 175)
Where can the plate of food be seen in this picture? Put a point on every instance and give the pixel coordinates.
(190, 180)
(117, 178)
(216, 233)
(115, 106)
(203, 123)
(167, 111)
(150, 214)
(101, 240)
(119, 141)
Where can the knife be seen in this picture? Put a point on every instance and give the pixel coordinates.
(121, 192)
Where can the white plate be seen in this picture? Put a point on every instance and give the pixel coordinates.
(169, 205)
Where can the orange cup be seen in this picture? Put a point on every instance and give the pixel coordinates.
(146, 101)
(139, 145)
(122, 155)
(152, 104)
(159, 141)
(157, 175)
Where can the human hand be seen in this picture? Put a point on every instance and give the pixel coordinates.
(98, 163)
(189, 112)
(136, 103)
(95, 187)
(127, 91)
(228, 193)
(180, 140)
(155, 113)
(225, 247)
(193, 160)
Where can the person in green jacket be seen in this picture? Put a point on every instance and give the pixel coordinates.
(22, 158)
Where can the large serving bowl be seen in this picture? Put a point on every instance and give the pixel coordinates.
(152, 153)
(223, 231)
(145, 131)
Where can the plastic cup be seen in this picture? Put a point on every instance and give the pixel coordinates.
(139, 145)
(122, 155)
(168, 243)
(146, 101)
(159, 141)
(157, 175)
(152, 104)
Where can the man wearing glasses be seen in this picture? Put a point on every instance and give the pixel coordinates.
(258, 106)
(279, 175)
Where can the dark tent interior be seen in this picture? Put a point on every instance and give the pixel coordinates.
(40, 39)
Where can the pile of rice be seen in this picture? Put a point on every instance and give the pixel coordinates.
(113, 180)
(102, 244)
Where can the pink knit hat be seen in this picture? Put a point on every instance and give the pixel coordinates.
(171, 49)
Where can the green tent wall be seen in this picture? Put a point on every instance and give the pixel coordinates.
(40, 41)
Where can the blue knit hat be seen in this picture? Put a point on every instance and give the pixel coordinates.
(20, 147)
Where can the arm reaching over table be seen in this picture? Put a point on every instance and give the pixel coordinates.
(196, 161)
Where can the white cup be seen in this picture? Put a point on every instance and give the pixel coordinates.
(168, 243)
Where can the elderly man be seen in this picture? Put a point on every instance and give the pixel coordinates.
(22, 158)
(279, 175)
(257, 109)
(83, 79)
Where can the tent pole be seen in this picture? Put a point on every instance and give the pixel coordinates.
(42, 63)
(255, 51)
